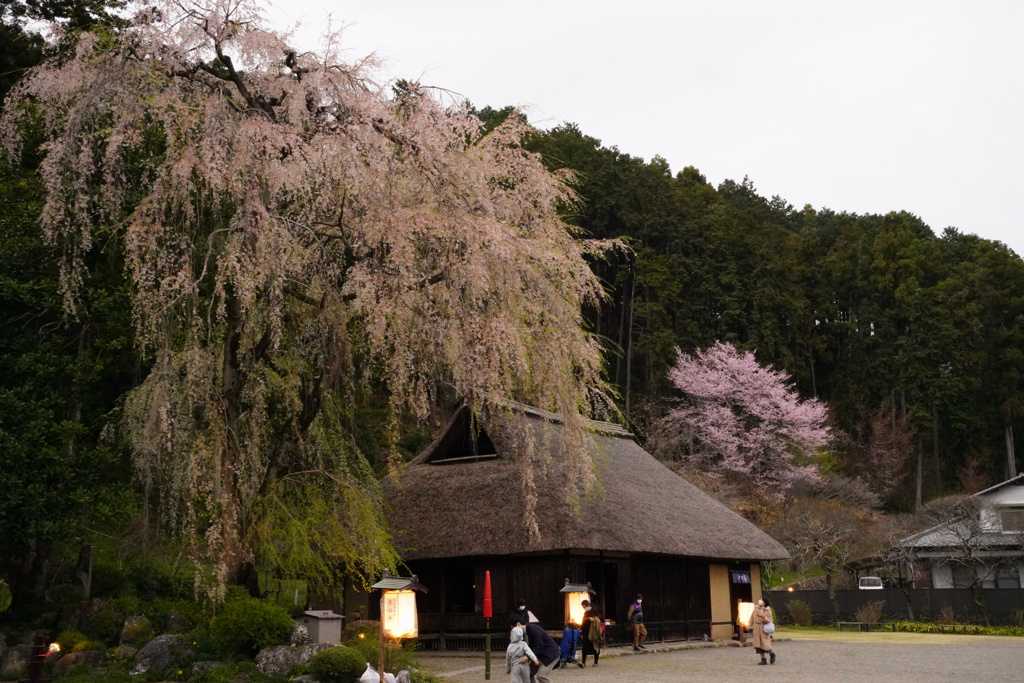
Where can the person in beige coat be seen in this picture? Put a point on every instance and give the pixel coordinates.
(762, 641)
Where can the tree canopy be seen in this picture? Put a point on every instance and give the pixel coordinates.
(294, 236)
(740, 418)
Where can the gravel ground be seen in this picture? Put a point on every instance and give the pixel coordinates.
(847, 658)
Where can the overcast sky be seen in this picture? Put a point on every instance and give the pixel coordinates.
(865, 106)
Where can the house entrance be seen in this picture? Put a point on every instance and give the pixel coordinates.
(604, 578)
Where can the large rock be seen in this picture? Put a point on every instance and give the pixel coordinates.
(278, 660)
(163, 652)
(300, 634)
(309, 650)
(15, 660)
(92, 657)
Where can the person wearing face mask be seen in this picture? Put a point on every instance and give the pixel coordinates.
(518, 614)
(762, 641)
(591, 633)
(636, 622)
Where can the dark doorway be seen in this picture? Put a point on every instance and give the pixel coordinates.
(459, 588)
(740, 587)
(604, 578)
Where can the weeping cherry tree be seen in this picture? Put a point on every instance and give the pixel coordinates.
(293, 235)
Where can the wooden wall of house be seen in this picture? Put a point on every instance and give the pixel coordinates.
(677, 592)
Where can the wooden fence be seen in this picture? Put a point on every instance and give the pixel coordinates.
(1004, 605)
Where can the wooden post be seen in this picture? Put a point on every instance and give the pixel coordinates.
(34, 671)
(380, 638)
(487, 652)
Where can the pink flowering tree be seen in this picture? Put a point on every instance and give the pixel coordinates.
(744, 420)
(296, 236)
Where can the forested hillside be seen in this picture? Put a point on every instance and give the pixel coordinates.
(889, 323)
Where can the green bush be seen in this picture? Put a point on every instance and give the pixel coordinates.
(138, 633)
(968, 629)
(365, 642)
(87, 645)
(68, 640)
(105, 626)
(342, 664)
(871, 612)
(236, 672)
(248, 625)
(157, 610)
(801, 613)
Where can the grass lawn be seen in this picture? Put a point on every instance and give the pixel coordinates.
(831, 634)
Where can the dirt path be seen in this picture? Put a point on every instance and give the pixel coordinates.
(814, 656)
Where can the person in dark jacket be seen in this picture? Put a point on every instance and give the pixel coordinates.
(546, 650)
(636, 622)
(591, 633)
(519, 614)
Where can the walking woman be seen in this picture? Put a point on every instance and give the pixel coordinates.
(591, 632)
(761, 618)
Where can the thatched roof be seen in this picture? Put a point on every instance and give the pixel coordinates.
(464, 496)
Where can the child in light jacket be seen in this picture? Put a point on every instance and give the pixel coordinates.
(517, 649)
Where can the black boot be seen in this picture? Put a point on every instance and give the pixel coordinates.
(772, 655)
(762, 661)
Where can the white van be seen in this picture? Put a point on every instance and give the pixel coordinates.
(870, 583)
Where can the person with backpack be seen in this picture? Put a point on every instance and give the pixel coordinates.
(636, 622)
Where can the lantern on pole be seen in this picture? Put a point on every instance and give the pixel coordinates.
(575, 594)
(398, 617)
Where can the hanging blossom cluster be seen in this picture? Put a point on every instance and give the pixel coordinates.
(293, 231)
(739, 417)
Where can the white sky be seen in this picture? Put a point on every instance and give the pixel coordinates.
(865, 106)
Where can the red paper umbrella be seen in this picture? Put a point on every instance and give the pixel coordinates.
(488, 609)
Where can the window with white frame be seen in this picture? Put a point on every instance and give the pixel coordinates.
(1012, 518)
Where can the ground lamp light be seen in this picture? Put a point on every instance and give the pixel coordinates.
(575, 594)
(398, 617)
(744, 610)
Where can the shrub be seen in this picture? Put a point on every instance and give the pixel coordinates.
(366, 643)
(158, 609)
(235, 672)
(1017, 618)
(137, 633)
(105, 626)
(68, 640)
(338, 664)
(871, 612)
(87, 645)
(248, 625)
(801, 613)
(947, 615)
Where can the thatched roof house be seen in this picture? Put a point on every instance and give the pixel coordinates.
(460, 508)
